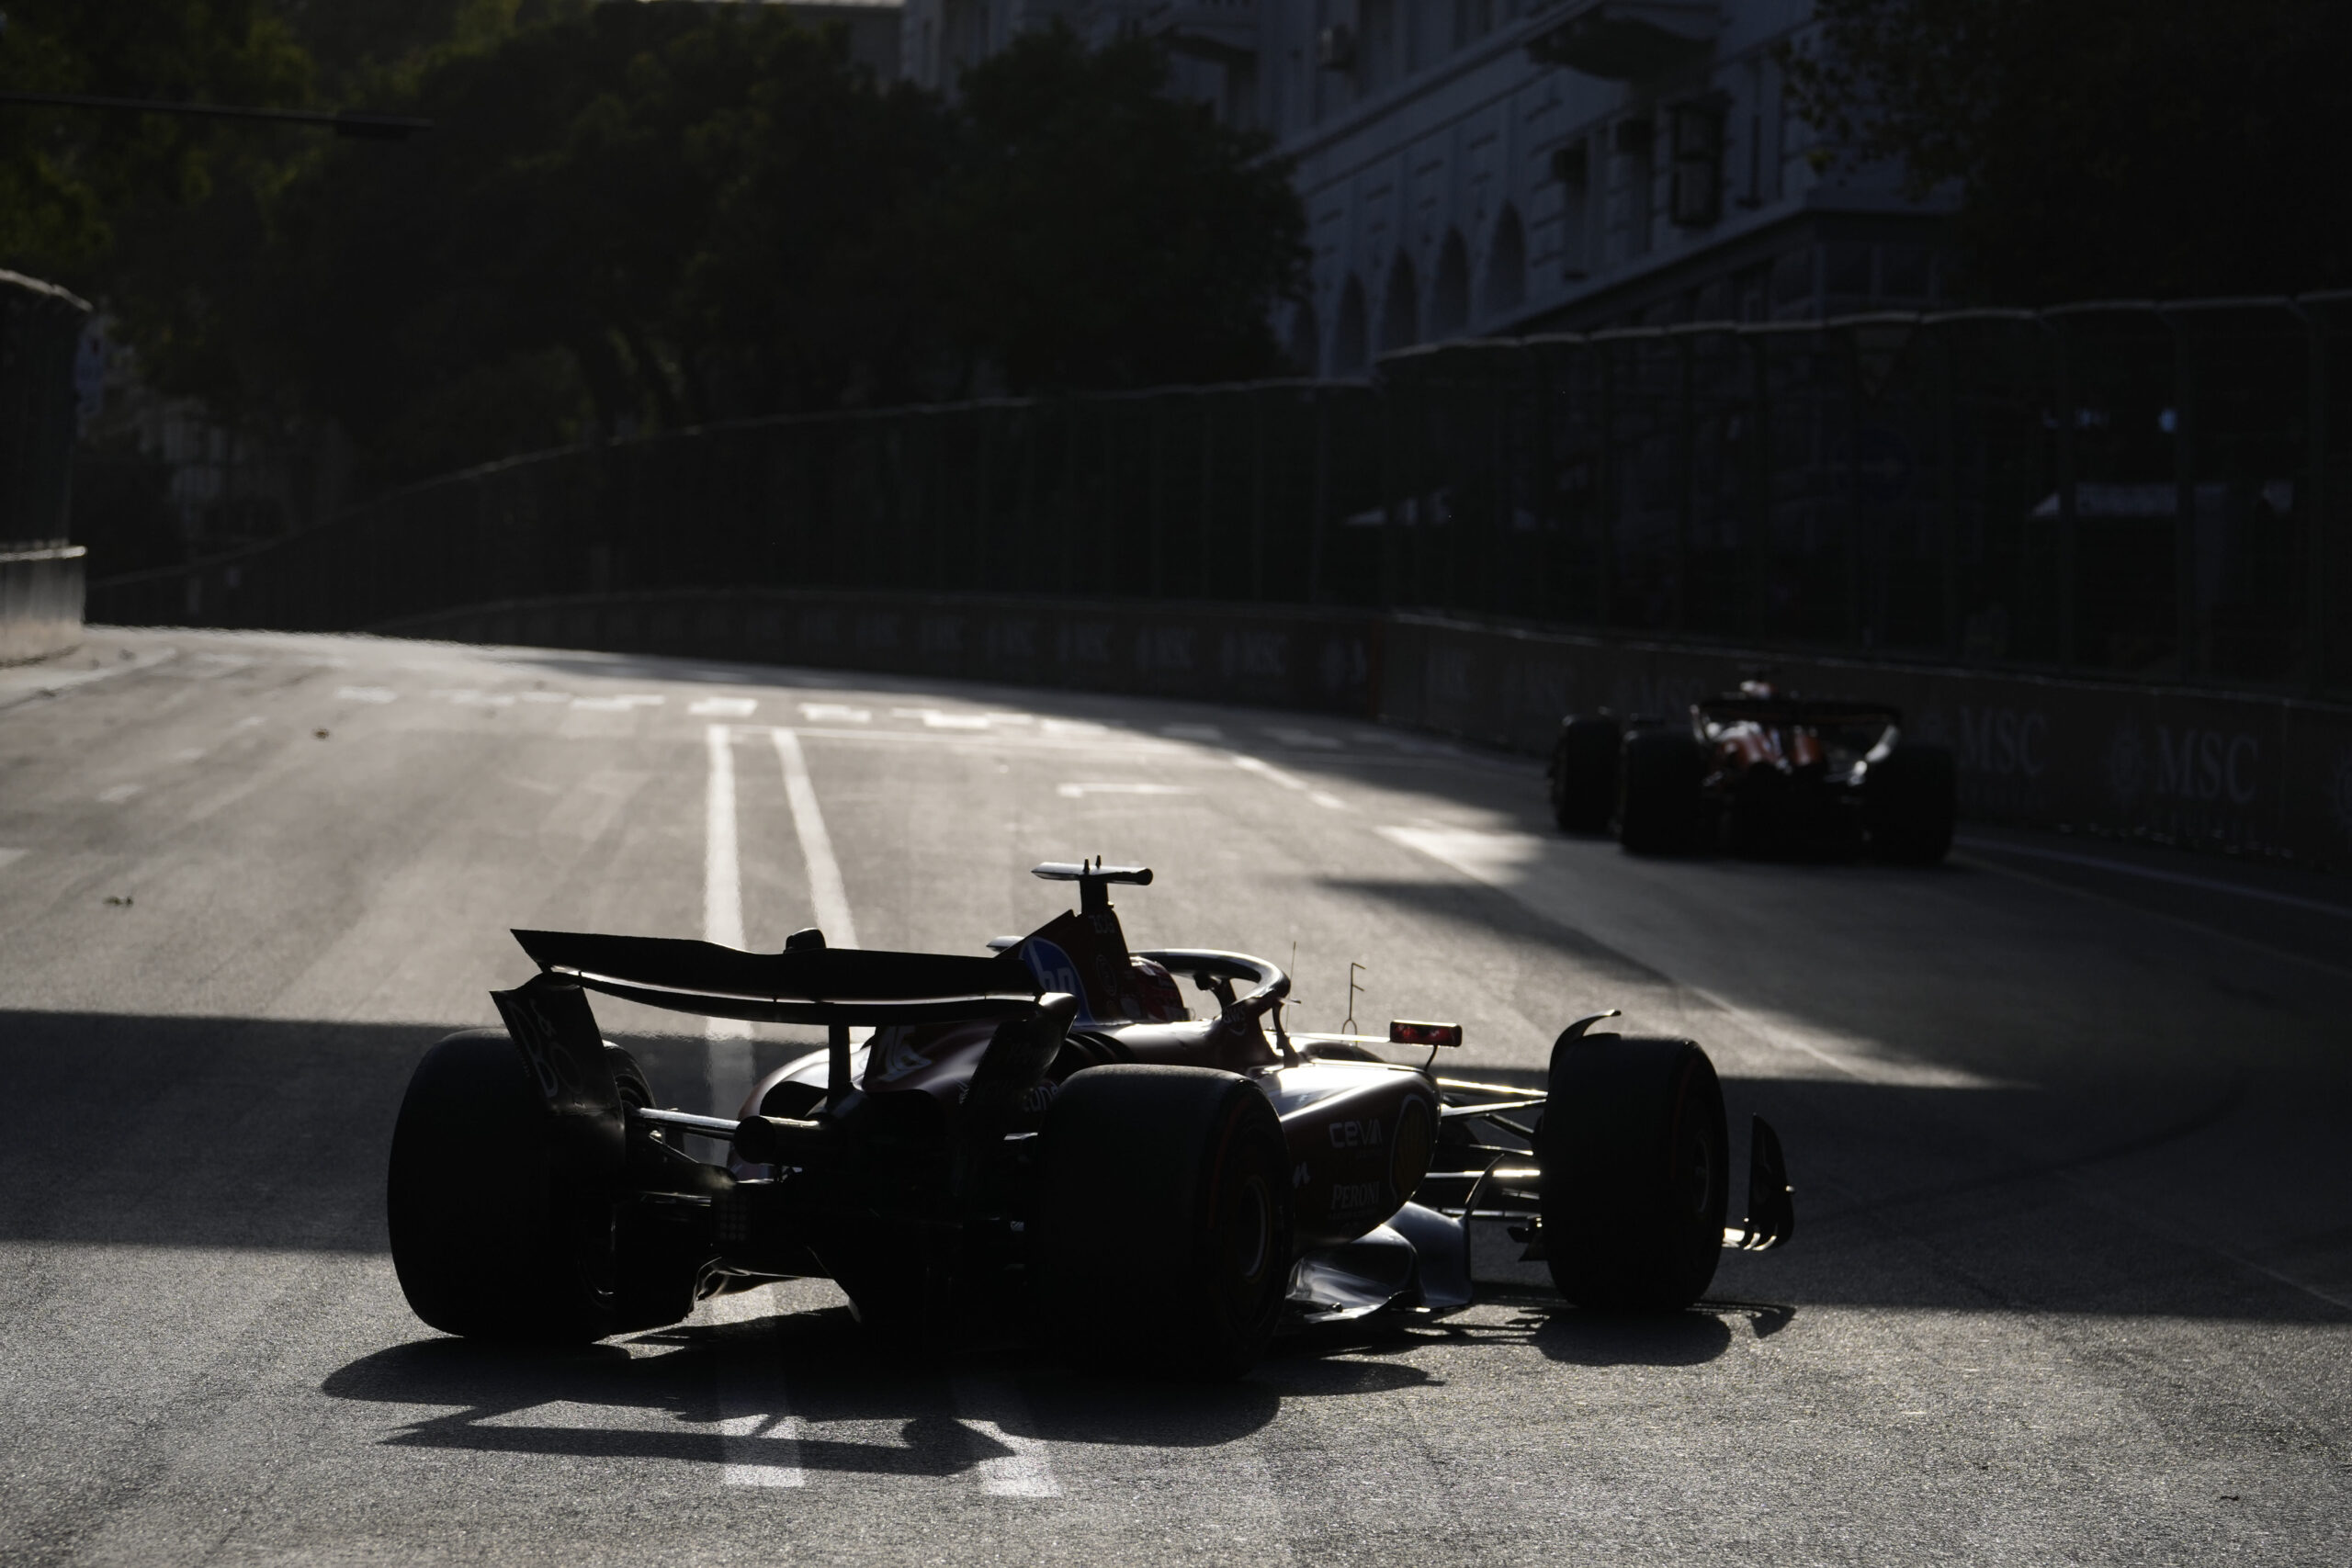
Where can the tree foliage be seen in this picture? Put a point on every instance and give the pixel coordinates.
(632, 217)
(2105, 148)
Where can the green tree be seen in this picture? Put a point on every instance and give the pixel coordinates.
(1097, 232)
(2105, 148)
(68, 176)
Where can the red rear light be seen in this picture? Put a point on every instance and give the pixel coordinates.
(1404, 1031)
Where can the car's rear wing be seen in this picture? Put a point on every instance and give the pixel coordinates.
(1776, 710)
(809, 985)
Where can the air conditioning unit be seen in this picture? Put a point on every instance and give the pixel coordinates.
(1335, 47)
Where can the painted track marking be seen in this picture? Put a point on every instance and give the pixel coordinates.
(993, 1407)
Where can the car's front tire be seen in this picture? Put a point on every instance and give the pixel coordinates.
(1636, 1172)
(1661, 775)
(1910, 801)
(498, 1232)
(1163, 1227)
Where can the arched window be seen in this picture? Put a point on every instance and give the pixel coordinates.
(1506, 265)
(1400, 307)
(1306, 340)
(1348, 355)
(1450, 301)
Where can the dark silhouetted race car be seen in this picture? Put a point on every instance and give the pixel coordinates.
(1757, 772)
(1044, 1138)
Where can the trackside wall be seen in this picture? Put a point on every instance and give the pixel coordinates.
(40, 602)
(2257, 775)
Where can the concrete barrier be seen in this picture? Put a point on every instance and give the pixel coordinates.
(2266, 775)
(40, 601)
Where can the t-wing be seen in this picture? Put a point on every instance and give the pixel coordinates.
(815, 985)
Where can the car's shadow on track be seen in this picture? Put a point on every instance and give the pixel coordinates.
(719, 1393)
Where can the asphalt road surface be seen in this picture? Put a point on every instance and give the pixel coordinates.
(2070, 1127)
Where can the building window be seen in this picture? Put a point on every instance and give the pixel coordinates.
(1506, 265)
(1572, 166)
(1697, 197)
(1637, 143)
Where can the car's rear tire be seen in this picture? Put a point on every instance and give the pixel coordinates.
(1660, 773)
(1584, 773)
(1636, 1172)
(1161, 1229)
(497, 1231)
(1910, 800)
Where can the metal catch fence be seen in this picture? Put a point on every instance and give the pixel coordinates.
(2154, 490)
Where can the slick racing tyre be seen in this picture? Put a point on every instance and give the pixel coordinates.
(1636, 1172)
(1584, 773)
(1659, 775)
(1162, 1224)
(494, 1235)
(1909, 800)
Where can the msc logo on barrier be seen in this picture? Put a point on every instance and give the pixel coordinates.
(2189, 764)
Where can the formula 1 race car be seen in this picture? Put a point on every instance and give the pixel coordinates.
(1044, 1137)
(1757, 772)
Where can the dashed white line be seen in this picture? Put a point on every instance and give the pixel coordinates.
(1267, 770)
(116, 793)
(835, 713)
(1325, 799)
(365, 695)
(622, 704)
(1079, 791)
(724, 707)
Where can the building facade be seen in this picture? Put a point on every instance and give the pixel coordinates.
(1492, 167)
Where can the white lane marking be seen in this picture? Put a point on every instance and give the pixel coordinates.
(1003, 740)
(726, 1060)
(825, 889)
(120, 793)
(762, 1446)
(544, 696)
(2183, 879)
(939, 718)
(246, 722)
(724, 707)
(1008, 716)
(1325, 799)
(472, 697)
(365, 695)
(993, 1407)
(621, 704)
(1192, 732)
(1074, 726)
(1079, 791)
(10, 857)
(1249, 765)
(835, 713)
(1307, 739)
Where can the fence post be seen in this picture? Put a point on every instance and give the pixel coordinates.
(2065, 455)
(1257, 400)
(1318, 514)
(2189, 661)
(2314, 500)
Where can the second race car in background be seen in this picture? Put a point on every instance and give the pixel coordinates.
(1757, 772)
